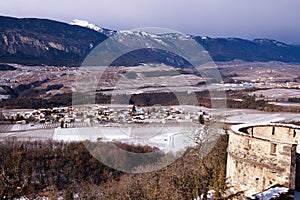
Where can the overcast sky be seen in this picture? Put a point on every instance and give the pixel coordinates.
(275, 19)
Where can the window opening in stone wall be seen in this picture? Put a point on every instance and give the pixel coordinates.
(257, 181)
(273, 130)
(273, 148)
(294, 133)
(247, 144)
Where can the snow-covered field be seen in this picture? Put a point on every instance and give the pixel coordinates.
(291, 104)
(43, 135)
(159, 134)
(278, 93)
(255, 116)
(167, 138)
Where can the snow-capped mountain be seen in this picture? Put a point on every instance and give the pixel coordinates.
(86, 24)
(34, 41)
(150, 48)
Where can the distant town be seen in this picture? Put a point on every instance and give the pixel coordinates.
(99, 114)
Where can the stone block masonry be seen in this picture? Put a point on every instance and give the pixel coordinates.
(262, 156)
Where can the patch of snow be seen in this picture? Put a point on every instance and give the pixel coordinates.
(253, 118)
(280, 44)
(154, 36)
(145, 34)
(126, 32)
(209, 196)
(4, 97)
(160, 42)
(272, 193)
(86, 24)
(185, 37)
(138, 33)
(285, 104)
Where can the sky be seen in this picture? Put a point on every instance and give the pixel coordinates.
(249, 19)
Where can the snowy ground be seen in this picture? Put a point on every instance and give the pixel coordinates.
(167, 138)
(278, 93)
(43, 135)
(254, 116)
(272, 193)
(291, 104)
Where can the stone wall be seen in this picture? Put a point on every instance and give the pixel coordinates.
(260, 157)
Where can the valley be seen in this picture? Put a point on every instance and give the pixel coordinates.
(93, 113)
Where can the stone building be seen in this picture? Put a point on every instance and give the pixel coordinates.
(263, 155)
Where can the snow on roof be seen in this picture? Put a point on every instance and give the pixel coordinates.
(272, 193)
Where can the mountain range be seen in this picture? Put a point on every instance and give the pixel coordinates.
(32, 41)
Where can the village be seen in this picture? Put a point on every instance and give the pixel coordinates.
(100, 114)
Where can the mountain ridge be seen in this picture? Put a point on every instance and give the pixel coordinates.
(33, 41)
